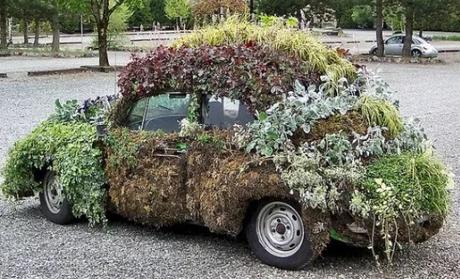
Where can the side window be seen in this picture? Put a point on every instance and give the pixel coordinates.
(136, 115)
(224, 113)
(395, 40)
(164, 112)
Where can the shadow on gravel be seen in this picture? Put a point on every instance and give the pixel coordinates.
(336, 251)
(340, 250)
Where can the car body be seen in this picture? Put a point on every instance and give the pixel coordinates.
(420, 47)
(226, 191)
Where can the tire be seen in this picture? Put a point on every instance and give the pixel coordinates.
(416, 53)
(281, 223)
(54, 205)
(374, 52)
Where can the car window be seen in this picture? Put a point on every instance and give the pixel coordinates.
(395, 40)
(224, 113)
(164, 112)
(418, 41)
(136, 115)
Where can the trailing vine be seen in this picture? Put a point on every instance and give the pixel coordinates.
(68, 149)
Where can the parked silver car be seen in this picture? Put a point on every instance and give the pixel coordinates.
(420, 47)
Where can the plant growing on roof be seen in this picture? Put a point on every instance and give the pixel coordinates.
(236, 30)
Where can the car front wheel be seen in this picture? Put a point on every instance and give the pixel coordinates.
(54, 205)
(276, 235)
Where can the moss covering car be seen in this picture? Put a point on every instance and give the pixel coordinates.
(242, 129)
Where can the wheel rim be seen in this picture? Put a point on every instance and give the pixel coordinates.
(53, 193)
(416, 54)
(280, 229)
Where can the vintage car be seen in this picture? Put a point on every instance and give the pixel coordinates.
(247, 197)
(273, 221)
(264, 133)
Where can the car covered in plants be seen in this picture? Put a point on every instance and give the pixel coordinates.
(245, 130)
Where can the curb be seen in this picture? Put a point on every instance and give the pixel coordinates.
(103, 69)
(82, 69)
(56, 72)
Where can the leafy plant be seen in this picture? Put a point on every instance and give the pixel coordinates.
(68, 149)
(124, 147)
(88, 111)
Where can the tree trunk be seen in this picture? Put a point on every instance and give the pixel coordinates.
(56, 30)
(37, 33)
(102, 39)
(379, 28)
(420, 33)
(409, 32)
(3, 28)
(26, 32)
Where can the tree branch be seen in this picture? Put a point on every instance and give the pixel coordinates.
(118, 3)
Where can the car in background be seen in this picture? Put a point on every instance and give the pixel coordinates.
(420, 47)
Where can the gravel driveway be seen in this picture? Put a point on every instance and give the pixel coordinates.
(31, 247)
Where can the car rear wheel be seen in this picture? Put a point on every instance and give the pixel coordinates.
(416, 53)
(54, 205)
(277, 236)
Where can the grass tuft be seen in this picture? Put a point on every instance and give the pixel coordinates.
(381, 113)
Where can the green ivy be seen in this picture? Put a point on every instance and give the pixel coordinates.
(69, 150)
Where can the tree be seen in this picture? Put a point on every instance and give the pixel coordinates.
(280, 8)
(410, 16)
(431, 13)
(101, 10)
(207, 8)
(178, 10)
(4, 6)
(313, 9)
(363, 16)
(379, 27)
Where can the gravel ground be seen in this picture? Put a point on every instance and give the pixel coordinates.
(31, 247)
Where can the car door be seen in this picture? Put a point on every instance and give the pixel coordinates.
(147, 184)
(394, 45)
(206, 162)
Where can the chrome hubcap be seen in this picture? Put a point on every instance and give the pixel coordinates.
(280, 229)
(53, 193)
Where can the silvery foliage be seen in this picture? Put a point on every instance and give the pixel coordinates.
(412, 139)
(298, 109)
(373, 85)
(371, 144)
(319, 185)
(91, 110)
